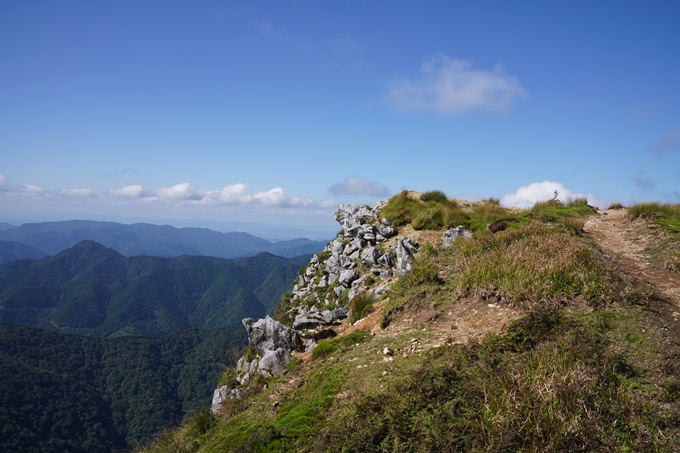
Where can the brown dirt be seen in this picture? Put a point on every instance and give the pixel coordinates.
(618, 237)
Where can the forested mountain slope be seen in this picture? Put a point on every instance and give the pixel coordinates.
(92, 290)
(80, 394)
(10, 251)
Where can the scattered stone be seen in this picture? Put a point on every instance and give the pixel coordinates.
(451, 235)
(388, 351)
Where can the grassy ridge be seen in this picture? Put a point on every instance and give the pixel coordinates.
(595, 377)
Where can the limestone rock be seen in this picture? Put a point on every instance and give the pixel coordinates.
(274, 362)
(406, 249)
(386, 260)
(269, 335)
(347, 276)
(312, 319)
(370, 256)
(223, 394)
(454, 233)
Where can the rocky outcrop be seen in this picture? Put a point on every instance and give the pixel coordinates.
(350, 264)
(223, 394)
(332, 277)
(312, 319)
(269, 335)
(451, 235)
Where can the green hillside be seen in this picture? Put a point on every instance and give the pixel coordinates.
(92, 290)
(10, 251)
(557, 332)
(81, 394)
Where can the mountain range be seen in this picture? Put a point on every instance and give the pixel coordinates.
(92, 290)
(151, 240)
(10, 251)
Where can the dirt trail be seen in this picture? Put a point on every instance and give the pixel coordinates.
(617, 235)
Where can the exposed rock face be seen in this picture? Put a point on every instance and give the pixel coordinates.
(274, 362)
(269, 335)
(406, 250)
(222, 394)
(313, 318)
(332, 278)
(451, 235)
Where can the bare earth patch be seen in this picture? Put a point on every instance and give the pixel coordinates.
(617, 235)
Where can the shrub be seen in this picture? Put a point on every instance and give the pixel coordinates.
(616, 206)
(250, 353)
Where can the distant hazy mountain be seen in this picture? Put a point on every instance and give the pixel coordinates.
(92, 290)
(10, 251)
(152, 240)
(6, 226)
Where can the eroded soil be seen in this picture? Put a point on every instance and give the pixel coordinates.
(619, 238)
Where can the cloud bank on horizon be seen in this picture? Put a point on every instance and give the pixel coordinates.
(526, 196)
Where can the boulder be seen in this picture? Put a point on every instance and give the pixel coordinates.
(347, 276)
(386, 260)
(274, 363)
(406, 249)
(370, 256)
(223, 394)
(332, 265)
(451, 235)
(269, 335)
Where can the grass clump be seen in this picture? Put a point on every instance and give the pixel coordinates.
(536, 263)
(360, 306)
(436, 196)
(663, 246)
(432, 212)
(666, 215)
(327, 347)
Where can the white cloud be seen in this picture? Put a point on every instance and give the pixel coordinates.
(526, 196)
(354, 185)
(273, 197)
(4, 184)
(30, 188)
(78, 193)
(451, 86)
(235, 193)
(182, 191)
(668, 143)
(132, 191)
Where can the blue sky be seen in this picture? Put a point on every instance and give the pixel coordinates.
(205, 113)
